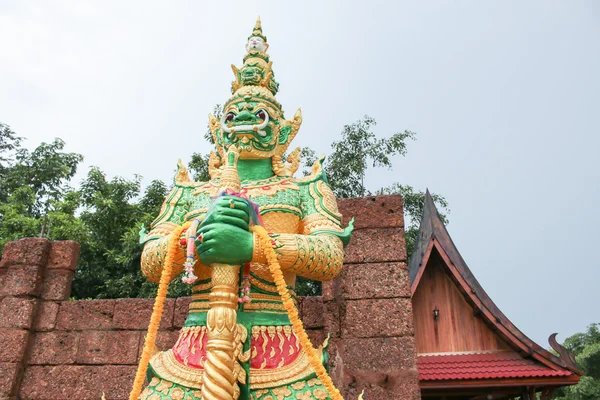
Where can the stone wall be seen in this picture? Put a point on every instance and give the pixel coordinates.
(367, 309)
(52, 348)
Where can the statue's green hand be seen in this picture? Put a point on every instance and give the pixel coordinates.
(225, 243)
(224, 213)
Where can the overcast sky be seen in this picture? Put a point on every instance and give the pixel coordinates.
(504, 97)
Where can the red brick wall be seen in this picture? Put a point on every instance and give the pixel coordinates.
(52, 348)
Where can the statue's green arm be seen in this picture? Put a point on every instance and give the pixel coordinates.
(318, 252)
(155, 242)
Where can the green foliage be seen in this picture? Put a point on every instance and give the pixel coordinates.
(308, 157)
(15, 222)
(358, 148)
(198, 166)
(9, 142)
(46, 170)
(109, 263)
(154, 197)
(35, 197)
(108, 257)
(586, 347)
(308, 287)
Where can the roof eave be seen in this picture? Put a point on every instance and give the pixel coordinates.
(500, 382)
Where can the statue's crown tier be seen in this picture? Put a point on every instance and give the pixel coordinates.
(257, 69)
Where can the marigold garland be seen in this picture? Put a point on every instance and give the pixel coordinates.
(288, 303)
(159, 303)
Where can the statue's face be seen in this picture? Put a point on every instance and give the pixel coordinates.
(255, 127)
(256, 44)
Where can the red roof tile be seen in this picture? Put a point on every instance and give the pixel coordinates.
(506, 364)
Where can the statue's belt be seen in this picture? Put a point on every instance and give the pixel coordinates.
(248, 319)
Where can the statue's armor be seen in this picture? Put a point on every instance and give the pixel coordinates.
(305, 226)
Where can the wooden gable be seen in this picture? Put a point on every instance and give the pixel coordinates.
(458, 327)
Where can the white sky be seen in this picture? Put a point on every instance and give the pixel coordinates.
(504, 97)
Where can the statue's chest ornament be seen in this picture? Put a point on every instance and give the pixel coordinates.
(265, 187)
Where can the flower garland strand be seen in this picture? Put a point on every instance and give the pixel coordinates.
(190, 243)
(157, 311)
(288, 303)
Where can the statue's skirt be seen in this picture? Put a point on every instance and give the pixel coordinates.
(270, 362)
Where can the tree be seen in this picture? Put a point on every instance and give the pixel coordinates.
(47, 170)
(109, 265)
(15, 222)
(9, 143)
(358, 148)
(34, 188)
(108, 214)
(198, 166)
(586, 348)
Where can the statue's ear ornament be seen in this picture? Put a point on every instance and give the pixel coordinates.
(214, 125)
(288, 131)
(296, 123)
(235, 85)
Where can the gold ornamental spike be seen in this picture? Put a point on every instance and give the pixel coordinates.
(257, 31)
(182, 176)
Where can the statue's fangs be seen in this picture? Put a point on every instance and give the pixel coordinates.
(238, 341)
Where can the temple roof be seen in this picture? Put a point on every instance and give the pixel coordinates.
(533, 359)
(484, 365)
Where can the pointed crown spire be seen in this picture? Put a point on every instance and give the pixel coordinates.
(257, 31)
(257, 71)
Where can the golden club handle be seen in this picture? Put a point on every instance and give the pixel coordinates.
(219, 381)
